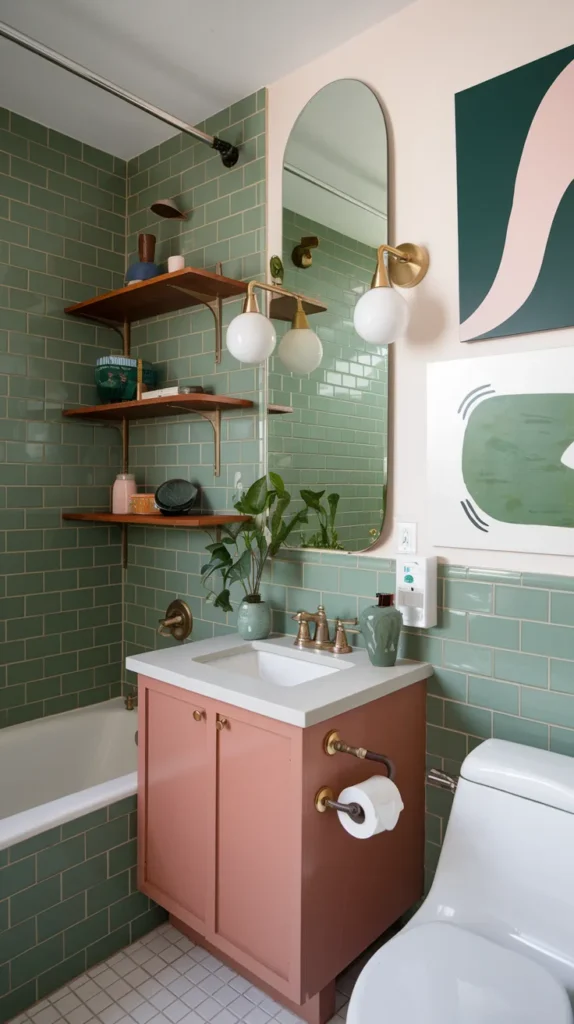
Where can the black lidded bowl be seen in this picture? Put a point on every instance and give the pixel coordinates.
(176, 497)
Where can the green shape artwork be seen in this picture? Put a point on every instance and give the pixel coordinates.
(512, 458)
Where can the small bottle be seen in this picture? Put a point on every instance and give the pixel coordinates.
(124, 487)
(381, 625)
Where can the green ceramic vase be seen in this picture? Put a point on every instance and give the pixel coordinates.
(381, 627)
(254, 618)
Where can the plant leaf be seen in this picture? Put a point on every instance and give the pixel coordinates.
(277, 482)
(222, 601)
(256, 499)
(241, 568)
(312, 498)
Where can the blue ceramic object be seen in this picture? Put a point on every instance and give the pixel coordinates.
(254, 619)
(141, 272)
(381, 627)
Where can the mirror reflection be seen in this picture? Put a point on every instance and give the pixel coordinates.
(333, 436)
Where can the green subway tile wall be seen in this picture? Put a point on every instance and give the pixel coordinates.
(502, 671)
(226, 223)
(68, 899)
(336, 437)
(62, 238)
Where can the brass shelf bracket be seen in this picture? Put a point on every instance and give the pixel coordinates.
(216, 307)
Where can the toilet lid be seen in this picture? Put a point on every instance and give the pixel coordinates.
(441, 974)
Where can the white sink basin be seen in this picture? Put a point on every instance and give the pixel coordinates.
(271, 668)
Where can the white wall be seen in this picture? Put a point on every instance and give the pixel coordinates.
(416, 61)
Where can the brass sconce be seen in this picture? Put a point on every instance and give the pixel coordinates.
(302, 256)
(381, 314)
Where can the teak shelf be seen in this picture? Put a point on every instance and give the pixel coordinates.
(167, 293)
(190, 522)
(283, 307)
(170, 293)
(171, 405)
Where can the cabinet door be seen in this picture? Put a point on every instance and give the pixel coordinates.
(176, 793)
(258, 858)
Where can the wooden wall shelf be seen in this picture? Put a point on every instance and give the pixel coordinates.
(282, 307)
(190, 522)
(167, 293)
(278, 410)
(173, 405)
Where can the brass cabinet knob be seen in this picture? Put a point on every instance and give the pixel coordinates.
(221, 723)
(198, 715)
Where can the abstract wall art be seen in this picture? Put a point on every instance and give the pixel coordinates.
(515, 181)
(501, 452)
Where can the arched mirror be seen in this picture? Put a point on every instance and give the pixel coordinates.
(333, 435)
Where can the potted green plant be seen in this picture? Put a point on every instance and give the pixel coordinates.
(241, 553)
(326, 536)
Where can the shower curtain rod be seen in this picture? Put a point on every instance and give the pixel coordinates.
(310, 178)
(229, 153)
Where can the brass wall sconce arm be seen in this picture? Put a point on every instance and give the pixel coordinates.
(405, 266)
(301, 255)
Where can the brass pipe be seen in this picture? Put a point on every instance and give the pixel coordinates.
(251, 305)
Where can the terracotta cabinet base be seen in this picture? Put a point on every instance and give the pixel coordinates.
(317, 1010)
(231, 844)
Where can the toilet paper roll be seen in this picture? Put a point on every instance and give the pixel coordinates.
(381, 802)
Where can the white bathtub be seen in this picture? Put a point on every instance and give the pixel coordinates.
(60, 767)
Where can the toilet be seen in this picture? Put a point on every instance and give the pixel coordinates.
(493, 942)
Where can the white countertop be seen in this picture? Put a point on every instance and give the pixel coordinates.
(357, 683)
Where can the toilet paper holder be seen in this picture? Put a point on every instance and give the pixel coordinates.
(325, 798)
(333, 744)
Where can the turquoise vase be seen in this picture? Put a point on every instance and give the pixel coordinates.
(381, 627)
(254, 618)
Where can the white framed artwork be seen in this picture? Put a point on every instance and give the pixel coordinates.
(500, 452)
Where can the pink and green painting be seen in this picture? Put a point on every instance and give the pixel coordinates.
(515, 182)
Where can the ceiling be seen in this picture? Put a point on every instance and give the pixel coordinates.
(190, 57)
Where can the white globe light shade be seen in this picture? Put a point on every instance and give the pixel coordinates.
(251, 337)
(300, 350)
(381, 315)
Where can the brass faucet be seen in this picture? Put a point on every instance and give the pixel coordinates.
(321, 641)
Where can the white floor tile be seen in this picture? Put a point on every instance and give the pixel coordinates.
(162, 998)
(66, 1003)
(81, 1015)
(165, 979)
(130, 1001)
(87, 990)
(118, 989)
(179, 986)
(225, 995)
(240, 1006)
(240, 984)
(112, 1014)
(149, 988)
(208, 1009)
(193, 997)
(99, 1002)
(176, 1010)
(136, 977)
(143, 1013)
(224, 1017)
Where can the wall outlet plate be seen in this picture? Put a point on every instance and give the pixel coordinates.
(407, 538)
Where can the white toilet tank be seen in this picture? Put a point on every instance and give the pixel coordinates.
(506, 869)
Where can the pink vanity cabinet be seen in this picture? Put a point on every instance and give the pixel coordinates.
(231, 844)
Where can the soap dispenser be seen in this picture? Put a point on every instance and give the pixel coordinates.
(381, 627)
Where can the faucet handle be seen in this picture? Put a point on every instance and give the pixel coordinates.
(341, 644)
(303, 635)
